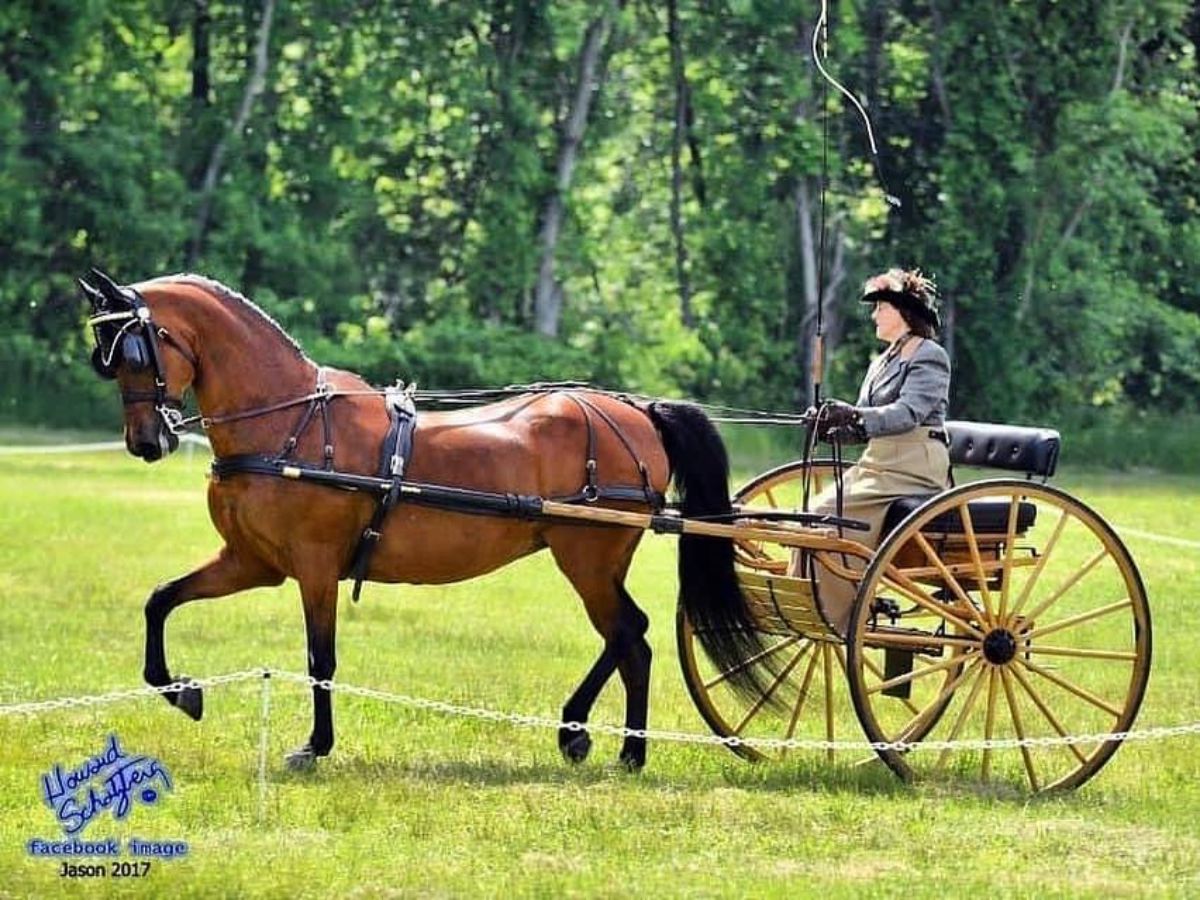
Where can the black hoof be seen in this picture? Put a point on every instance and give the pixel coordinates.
(190, 700)
(575, 745)
(302, 759)
(633, 758)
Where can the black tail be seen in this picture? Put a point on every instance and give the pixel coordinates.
(708, 586)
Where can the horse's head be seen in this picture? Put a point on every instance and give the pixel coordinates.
(152, 367)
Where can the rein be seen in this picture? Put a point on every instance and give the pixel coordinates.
(322, 393)
(456, 399)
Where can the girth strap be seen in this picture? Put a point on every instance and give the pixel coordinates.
(394, 457)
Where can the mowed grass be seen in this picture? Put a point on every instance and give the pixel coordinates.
(415, 802)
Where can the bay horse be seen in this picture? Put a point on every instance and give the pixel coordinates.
(162, 337)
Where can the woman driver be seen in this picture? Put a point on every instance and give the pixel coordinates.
(900, 413)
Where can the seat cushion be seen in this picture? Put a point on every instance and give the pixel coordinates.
(987, 516)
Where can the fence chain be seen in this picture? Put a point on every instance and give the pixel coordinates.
(37, 706)
(524, 720)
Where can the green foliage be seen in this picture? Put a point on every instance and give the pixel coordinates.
(396, 170)
(453, 352)
(1128, 440)
(53, 387)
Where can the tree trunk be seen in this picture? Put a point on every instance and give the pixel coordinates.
(938, 68)
(547, 300)
(200, 53)
(254, 86)
(679, 129)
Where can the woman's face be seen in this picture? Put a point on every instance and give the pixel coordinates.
(889, 324)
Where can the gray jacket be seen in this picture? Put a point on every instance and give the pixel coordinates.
(900, 395)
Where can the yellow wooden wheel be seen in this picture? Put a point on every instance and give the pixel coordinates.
(806, 696)
(1010, 613)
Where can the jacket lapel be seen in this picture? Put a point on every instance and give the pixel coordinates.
(889, 374)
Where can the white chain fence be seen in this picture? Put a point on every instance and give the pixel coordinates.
(524, 720)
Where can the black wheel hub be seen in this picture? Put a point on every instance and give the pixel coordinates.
(999, 647)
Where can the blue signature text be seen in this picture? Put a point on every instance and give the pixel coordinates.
(112, 779)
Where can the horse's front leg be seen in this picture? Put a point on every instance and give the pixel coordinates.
(320, 597)
(226, 574)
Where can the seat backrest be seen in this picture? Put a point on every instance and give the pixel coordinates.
(1033, 451)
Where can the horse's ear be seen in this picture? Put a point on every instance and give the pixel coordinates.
(94, 296)
(110, 289)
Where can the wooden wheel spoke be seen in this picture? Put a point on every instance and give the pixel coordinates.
(909, 677)
(906, 639)
(1069, 686)
(804, 685)
(943, 570)
(770, 496)
(752, 549)
(1023, 680)
(1010, 538)
(770, 691)
(1080, 653)
(878, 673)
(985, 594)
(1068, 584)
(964, 712)
(933, 708)
(1006, 681)
(747, 663)
(1047, 551)
(914, 592)
(828, 661)
(989, 722)
(1078, 620)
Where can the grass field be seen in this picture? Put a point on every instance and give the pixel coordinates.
(418, 803)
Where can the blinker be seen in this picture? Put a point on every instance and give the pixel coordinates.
(131, 350)
(134, 352)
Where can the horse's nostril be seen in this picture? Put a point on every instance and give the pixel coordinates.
(148, 451)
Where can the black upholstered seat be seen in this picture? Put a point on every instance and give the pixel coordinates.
(1016, 448)
(987, 516)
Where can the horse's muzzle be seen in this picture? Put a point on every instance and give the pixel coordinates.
(147, 450)
(163, 445)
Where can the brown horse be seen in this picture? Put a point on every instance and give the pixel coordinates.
(253, 385)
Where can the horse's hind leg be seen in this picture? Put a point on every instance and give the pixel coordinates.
(319, 592)
(225, 574)
(596, 562)
(634, 666)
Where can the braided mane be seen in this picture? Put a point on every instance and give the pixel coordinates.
(229, 296)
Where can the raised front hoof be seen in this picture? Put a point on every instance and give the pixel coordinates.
(633, 757)
(189, 699)
(302, 759)
(575, 745)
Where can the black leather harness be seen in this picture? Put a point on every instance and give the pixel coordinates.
(391, 487)
(393, 460)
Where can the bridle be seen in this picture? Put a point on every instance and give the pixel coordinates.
(130, 336)
(138, 342)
